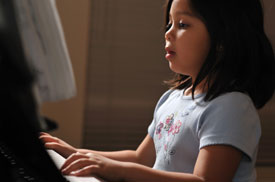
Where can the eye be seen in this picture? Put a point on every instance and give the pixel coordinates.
(182, 25)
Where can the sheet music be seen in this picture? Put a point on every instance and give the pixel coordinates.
(45, 48)
(59, 161)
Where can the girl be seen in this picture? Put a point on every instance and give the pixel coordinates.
(206, 127)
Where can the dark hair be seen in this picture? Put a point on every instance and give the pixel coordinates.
(240, 58)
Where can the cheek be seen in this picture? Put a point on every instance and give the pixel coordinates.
(195, 49)
(190, 54)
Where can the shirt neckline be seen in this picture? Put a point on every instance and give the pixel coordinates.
(189, 97)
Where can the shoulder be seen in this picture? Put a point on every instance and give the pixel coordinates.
(165, 96)
(235, 102)
(232, 98)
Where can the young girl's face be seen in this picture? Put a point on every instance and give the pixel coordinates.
(187, 40)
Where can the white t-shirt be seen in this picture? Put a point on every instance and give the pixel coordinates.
(182, 126)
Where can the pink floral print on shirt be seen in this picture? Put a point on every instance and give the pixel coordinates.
(158, 130)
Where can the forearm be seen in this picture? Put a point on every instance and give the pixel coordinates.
(132, 172)
(124, 155)
(114, 170)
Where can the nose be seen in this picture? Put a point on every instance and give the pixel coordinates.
(168, 34)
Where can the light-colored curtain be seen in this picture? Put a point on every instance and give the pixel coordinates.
(126, 69)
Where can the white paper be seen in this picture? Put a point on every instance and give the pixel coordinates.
(45, 48)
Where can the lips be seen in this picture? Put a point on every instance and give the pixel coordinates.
(169, 53)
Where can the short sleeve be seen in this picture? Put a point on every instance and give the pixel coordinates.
(151, 129)
(232, 120)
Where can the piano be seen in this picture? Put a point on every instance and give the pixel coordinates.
(23, 157)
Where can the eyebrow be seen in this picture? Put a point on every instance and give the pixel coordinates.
(185, 13)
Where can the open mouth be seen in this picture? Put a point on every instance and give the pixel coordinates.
(169, 53)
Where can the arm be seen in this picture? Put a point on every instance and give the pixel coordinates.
(218, 163)
(145, 154)
(214, 164)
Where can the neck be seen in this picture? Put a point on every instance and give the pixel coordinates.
(199, 89)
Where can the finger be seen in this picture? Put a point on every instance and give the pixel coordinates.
(44, 133)
(76, 165)
(54, 146)
(59, 148)
(86, 171)
(46, 138)
(73, 158)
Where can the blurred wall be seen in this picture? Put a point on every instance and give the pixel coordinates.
(269, 9)
(69, 113)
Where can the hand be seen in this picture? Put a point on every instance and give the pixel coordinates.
(79, 164)
(58, 145)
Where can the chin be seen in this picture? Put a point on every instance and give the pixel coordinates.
(175, 70)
